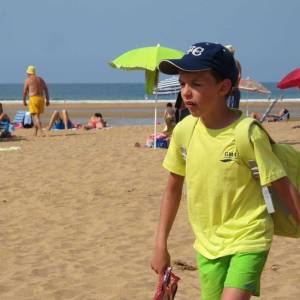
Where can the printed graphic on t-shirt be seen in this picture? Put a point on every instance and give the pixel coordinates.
(229, 156)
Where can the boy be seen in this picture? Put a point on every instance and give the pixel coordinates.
(169, 118)
(226, 209)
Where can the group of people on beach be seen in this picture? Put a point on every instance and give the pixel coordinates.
(36, 93)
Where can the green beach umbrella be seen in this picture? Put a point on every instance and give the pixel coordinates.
(147, 59)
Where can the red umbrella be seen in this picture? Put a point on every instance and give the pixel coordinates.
(290, 80)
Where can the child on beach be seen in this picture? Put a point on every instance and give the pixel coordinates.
(96, 122)
(233, 230)
(3, 115)
(169, 118)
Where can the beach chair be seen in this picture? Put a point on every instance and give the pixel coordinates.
(19, 118)
(284, 117)
(269, 109)
(22, 119)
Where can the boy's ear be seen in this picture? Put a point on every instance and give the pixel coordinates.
(225, 87)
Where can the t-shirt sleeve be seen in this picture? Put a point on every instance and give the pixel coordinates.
(174, 160)
(270, 167)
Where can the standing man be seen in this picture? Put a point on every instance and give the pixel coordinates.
(36, 90)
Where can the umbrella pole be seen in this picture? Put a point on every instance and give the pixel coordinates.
(155, 121)
(247, 112)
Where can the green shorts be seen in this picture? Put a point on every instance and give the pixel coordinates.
(241, 271)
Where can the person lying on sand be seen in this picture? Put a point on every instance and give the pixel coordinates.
(96, 122)
(60, 121)
(3, 116)
(283, 114)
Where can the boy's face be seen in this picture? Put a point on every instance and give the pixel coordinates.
(201, 92)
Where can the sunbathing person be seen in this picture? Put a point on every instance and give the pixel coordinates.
(96, 122)
(60, 122)
(3, 116)
(283, 114)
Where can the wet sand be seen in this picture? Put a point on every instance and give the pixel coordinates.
(122, 113)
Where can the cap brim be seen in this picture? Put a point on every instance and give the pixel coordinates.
(174, 66)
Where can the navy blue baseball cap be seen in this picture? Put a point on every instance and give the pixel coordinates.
(204, 56)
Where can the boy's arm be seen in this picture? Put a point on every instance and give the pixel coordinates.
(45, 87)
(287, 191)
(25, 92)
(168, 210)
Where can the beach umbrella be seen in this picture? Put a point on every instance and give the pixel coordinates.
(171, 85)
(292, 79)
(250, 85)
(168, 86)
(146, 59)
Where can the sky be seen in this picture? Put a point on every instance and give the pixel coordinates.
(72, 41)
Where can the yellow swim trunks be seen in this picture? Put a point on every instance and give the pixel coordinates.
(36, 104)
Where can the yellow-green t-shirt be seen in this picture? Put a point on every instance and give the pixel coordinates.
(225, 203)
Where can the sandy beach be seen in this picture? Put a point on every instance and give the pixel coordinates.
(137, 113)
(79, 210)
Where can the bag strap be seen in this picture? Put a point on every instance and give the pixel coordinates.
(242, 138)
(246, 151)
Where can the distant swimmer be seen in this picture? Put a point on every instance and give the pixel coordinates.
(35, 88)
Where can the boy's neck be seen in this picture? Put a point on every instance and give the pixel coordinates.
(220, 118)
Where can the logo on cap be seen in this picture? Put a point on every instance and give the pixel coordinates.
(196, 51)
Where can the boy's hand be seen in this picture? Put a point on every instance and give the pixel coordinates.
(160, 261)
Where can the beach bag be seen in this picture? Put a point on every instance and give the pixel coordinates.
(284, 222)
(27, 121)
(161, 141)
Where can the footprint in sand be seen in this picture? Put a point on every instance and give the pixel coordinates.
(181, 265)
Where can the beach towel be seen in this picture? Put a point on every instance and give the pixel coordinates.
(12, 148)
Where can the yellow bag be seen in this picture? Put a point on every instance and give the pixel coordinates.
(284, 222)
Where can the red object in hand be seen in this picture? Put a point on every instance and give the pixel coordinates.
(167, 286)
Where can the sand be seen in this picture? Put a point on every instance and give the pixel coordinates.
(78, 216)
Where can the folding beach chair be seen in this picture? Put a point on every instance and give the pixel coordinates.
(19, 118)
(22, 119)
(269, 109)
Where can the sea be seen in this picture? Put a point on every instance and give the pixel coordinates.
(125, 93)
(122, 92)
